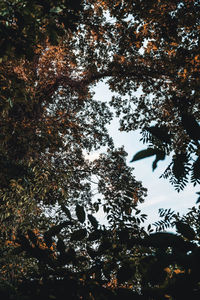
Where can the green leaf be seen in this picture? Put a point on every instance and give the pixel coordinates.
(56, 10)
(185, 230)
(79, 235)
(93, 221)
(80, 213)
(10, 102)
(144, 154)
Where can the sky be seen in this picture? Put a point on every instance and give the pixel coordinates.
(161, 194)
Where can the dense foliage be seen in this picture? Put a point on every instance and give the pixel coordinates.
(52, 53)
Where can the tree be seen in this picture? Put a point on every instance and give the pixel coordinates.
(49, 120)
(167, 112)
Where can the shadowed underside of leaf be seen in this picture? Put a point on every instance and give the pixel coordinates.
(160, 155)
(144, 154)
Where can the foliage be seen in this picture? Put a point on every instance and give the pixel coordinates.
(51, 55)
(28, 23)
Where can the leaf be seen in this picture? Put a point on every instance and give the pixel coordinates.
(79, 235)
(185, 230)
(159, 156)
(144, 154)
(10, 102)
(160, 132)
(191, 126)
(195, 177)
(179, 169)
(92, 253)
(57, 228)
(56, 10)
(198, 200)
(66, 211)
(80, 213)
(95, 235)
(105, 245)
(93, 221)
(149, 227)
(60, 246)
(54, 230)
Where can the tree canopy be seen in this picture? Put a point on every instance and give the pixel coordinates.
(52, 54)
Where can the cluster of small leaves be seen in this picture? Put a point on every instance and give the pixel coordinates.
(167, 220)
(180, 170)
(29, 23)
(173, 219)
(170, 263)
(181, 166)
(84, 251)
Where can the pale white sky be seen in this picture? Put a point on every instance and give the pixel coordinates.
(161, 194)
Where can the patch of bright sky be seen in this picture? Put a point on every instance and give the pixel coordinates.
(161, 194)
